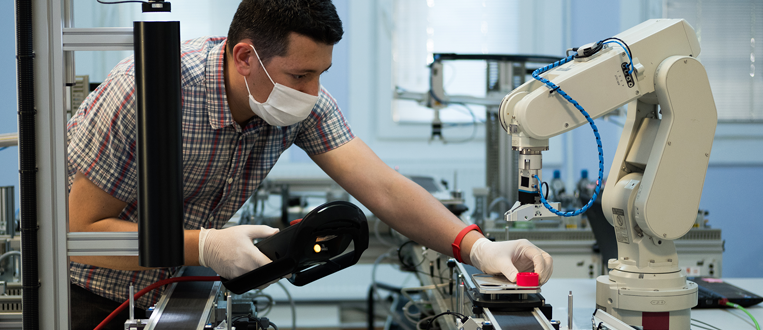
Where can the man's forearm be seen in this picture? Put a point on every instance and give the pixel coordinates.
(421, 217)
(395, 199)
(191, 246)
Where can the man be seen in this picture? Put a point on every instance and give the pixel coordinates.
(246, 98)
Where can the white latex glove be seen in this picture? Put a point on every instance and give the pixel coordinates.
(510, 258)
(230, 252)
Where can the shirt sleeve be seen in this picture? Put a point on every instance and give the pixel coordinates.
(102, 137)
(325, 128)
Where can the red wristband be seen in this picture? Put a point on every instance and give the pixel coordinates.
(460, 237)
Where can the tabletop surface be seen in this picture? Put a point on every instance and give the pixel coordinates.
(584, 302)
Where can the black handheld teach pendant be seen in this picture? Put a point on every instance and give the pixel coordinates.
(309, 249)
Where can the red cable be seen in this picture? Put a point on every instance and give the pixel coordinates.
(151, 287)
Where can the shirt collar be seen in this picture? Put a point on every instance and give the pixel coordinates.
(217, 101)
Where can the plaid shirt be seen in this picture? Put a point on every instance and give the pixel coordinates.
(223, 163)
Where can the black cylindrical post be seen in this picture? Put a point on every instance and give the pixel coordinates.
(160, 157)
(30, 278)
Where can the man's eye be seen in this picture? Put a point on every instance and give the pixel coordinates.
(298, 76)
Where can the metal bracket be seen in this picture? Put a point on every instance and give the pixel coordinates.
(102, 244)
(117, 38)
(528, 212)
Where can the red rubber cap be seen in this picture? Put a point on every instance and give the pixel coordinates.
(528, 279)
(294, 222)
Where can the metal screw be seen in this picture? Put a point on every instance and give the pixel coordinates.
(637, 93)
(707, 155)
(668, 142)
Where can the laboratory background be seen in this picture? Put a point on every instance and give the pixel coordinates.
(379, 77)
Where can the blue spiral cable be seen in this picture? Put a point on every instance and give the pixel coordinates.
(554, 88)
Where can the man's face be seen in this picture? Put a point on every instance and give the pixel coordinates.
(300, 68)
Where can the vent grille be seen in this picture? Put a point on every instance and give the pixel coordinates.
(10, 307)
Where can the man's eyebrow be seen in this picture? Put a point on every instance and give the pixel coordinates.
(313, 71)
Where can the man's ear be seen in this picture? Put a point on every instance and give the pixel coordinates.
(242, 56)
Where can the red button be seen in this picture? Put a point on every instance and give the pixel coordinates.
(294, 222)
(528, 279)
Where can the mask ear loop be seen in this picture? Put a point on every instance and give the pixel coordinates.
(263, 65)
(246, 83)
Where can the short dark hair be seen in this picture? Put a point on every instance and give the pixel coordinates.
(268, 24)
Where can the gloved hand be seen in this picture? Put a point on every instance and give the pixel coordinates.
(230, 251)
(510, 258)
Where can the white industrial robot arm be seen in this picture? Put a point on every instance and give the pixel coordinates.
(656, 178)
(599, 82)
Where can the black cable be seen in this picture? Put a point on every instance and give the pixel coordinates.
(442, 278)
(261, 323)
(707, 324)
(442, 281)
(620, 40)
(630, 54)
(439, 276)
(413, 268)
(406, 266)
(431, 321)
(235, 319)
(371, 314)
(267, 297)
(439, 271)
(118, 2)
(701, 327)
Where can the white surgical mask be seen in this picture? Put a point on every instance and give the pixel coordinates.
(285, 106)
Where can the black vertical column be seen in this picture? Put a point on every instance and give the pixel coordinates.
(160, 158)
(30, 278)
